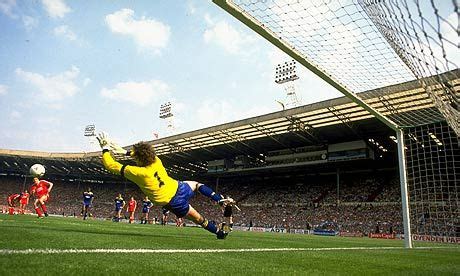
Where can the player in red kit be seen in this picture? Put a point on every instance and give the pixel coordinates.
(41, 190)
(132, 204)
(23, 201)
(12, 201)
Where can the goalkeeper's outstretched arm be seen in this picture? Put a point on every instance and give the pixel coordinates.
(111, 164)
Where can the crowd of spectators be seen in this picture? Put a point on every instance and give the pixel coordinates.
(353, 206)
(363, 204)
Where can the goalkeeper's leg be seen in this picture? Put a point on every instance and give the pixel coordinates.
(179, 205)
(208, 192)
(197, 218)
(204, 190)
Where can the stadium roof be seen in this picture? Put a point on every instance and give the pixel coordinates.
(316, 124)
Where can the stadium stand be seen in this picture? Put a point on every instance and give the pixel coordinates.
(263, 204)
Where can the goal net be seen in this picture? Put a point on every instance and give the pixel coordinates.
(381, 47)
(433, 165)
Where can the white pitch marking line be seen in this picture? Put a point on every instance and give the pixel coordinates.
(118, 250)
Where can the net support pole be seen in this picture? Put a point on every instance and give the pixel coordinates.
(404, 192)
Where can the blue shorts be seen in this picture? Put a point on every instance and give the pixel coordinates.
(117, 208)
(145, 210)
(179, 204)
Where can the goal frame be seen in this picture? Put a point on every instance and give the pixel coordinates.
(272, 38)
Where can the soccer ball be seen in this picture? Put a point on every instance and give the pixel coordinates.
(37, 170)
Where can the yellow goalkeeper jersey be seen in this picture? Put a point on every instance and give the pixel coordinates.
(153, 180)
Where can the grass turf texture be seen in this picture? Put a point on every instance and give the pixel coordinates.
(28, 232)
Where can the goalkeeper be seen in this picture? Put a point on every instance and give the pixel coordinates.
(154, 181)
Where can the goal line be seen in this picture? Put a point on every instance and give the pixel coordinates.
(230, 250)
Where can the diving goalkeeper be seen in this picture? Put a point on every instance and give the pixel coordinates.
(154, 181)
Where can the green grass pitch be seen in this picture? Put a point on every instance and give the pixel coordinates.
(343, 256)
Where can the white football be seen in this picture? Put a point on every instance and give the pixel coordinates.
(37, 170)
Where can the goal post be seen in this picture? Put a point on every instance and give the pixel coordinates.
(404, 188)
(374, 46)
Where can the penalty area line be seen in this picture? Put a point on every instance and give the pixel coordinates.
(145, 250)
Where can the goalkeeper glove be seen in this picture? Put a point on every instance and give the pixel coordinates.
(107, 144)
(102, 139)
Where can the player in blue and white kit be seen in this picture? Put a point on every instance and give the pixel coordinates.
(119, 204)
(88, 197)
(146, 205)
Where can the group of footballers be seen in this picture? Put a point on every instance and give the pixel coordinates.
(152, 178)
(40, 190)
(131, 208)
(88, 197)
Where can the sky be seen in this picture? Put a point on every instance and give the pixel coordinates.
(68, 64)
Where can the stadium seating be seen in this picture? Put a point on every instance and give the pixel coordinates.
(270, 204)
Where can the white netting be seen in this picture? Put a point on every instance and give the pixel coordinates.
(380, 46)
(366, 45)
(433, 170)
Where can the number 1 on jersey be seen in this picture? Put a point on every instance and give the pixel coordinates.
(159, 179)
